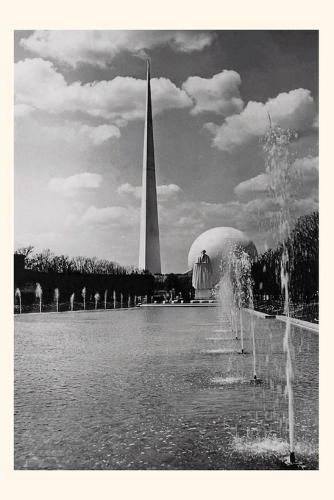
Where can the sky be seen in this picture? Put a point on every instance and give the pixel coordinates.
(79, 126)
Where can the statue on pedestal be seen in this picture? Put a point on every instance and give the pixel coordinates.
(202, 276)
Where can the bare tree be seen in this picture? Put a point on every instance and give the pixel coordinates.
(26, 251)
(41, 261)
(47, 261)
(78, 263)
(61, 264)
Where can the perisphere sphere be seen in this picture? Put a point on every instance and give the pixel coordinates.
(218, 243)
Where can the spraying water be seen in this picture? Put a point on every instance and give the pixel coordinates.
(234, 321)
(114, 298)
(241, 331)
(240, 273)
(105, 298)
(72, 302)
(83, 295)
(129, 301)
(56, 298)
(279, 171)
(251, 306)
(225, 296)
(121, 299)
(38, 294)
(236, 273)
(97, 298)
(18, 295)
(247, 286)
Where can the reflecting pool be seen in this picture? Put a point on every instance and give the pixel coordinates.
(159, 388)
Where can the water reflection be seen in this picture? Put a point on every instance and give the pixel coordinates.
(136, 389)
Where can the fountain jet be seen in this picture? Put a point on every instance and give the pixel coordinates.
(237, 276)
(38, 294)
(246, 266)
(83, 295)
(72, 302)
(97, 298)
(56, 298)
(18, 295)
(278, 168)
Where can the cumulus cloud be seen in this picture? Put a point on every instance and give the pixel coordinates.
(110, 216)
(189, 218)
(101, 133)
(219, 94)
(241, 215)
(128, 189)
(304, 181)
(165, 192)
(100, 47)
(254, 216)
(307, 178)
(307, 166)
(294, 109)
(70, 186)
(253, 186)
(71, 131)
(60, 132)
(40, 86)
(258, 218)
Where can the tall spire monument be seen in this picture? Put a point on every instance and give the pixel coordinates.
(149, 248)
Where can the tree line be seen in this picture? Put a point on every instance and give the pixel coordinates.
(72, 273)
(303, 250)
(46, 261)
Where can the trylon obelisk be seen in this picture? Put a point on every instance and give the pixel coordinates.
(149, 249)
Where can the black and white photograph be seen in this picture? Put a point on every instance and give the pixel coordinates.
(166, 250)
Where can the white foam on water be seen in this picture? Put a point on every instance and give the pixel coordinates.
(272, 446)
(220, 351)
(229, 380)
(222, 331)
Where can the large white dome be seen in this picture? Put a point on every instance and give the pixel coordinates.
(218, 242)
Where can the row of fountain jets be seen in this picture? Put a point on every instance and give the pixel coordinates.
(97, 298)
(276, 145)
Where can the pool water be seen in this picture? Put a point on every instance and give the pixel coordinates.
(159, 388)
